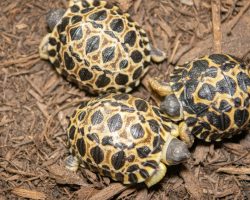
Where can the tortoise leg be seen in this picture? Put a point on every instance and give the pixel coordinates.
(174, 130)
(185, 134)
(157, 176)
(160, 87)
(43, 47)
(157, 55)
(72, 163)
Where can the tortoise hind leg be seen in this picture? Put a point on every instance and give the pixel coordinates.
(157, 176)
(157, 55)
(72, 163)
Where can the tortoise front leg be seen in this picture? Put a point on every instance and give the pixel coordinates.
(185, 134)
(157, 176)
(160, 87)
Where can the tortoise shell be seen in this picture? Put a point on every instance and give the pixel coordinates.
(119, 136)
(99, 48)
(214, 94)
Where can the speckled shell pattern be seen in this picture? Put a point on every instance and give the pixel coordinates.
(99, 48)
(119, 136)
(214, 91)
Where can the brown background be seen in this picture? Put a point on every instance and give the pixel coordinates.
(35, 100)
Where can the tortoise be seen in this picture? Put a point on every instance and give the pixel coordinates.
(208, 96)
(96, 46)
(125, 138)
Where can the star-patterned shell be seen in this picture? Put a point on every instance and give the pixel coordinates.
(99, 48)
(215, 95)
(119, 136)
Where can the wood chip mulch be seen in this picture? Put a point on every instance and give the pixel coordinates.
(35, 102)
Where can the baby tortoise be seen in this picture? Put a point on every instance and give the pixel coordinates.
(209, 96)
(96, 46)
(124, 138)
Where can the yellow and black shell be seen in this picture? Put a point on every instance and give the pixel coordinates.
(214, 92)
(119, 136)
(99, 48)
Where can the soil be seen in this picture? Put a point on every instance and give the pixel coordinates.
(35, 102)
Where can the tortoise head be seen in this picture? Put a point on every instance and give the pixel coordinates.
(53, 17)
(176, 152)
(172, 107)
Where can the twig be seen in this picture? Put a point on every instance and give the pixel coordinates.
(216, 25)
(31, 128)
(224, 193)
(235, 20)
(176, 45)
(109, 192)
(137, 5)
(51, 117)
(183, 12)
(31, 194)
(2, 123)
(234, 170)
(35, 95)
(23, 72)
(13, 171)
(191, 182)
(23, 143)
(19, 60)
(43, 109)
(183, 50)
(34, 86)
(229, 12)
(231, 162)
